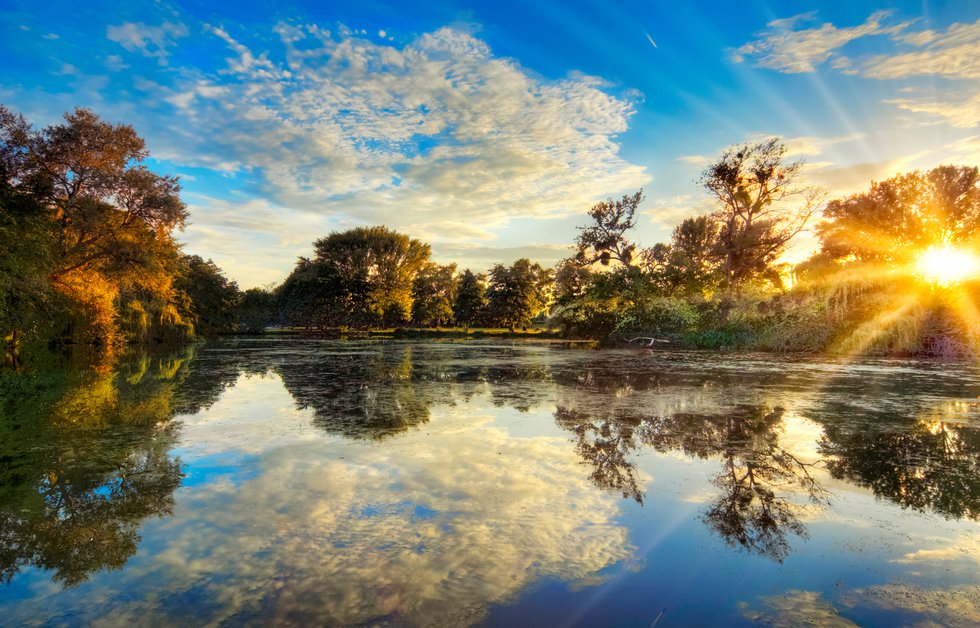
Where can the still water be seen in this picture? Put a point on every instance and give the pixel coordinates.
(259, 481)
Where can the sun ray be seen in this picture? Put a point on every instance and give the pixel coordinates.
(903, 319)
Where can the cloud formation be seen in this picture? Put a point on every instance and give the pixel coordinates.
(952, 53)
(783, 47)
(438, 137)
(150, 41)
(958, 111)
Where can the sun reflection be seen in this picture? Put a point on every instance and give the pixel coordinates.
(947, 265)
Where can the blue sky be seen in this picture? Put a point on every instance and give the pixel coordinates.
(489, 129)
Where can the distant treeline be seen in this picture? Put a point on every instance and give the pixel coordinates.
(87, 257)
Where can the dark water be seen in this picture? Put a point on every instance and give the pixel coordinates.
(307, 482)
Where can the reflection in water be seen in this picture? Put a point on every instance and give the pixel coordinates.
(758, 481)
(465, 520)
(924, 465)
(605, 445)
(360, 394)
(764, 489)
(389, 523)
(85, 458)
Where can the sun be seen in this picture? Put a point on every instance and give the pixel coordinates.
(947, 265)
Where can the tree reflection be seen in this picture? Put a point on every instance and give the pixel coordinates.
(605, 445)
(85, 459)
(760, 482)
(926, 465)
(361, 395)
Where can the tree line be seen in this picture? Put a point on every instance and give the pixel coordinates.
(88, 256)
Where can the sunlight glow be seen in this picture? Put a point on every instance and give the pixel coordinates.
(947, 265)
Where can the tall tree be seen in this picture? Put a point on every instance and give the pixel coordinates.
(106, 201)
(605, 239)
(571, 281)
(517, 294)
(433, 294)
(687, 265)
(312, 296)
(213, 298)
(470, 298)
(763, 204)
(374, 268)
(256, 310)
(109, 219)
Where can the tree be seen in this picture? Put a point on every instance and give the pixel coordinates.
(519, 293)
(313, 296)
(898, 218)
(470, 298)
(374, 268)
(571, 281)
(433, 294)
(687, 265)
(213, 298)
(256, 310)
(605, 240)
(101, 221)
(762, 206)
(102, 195)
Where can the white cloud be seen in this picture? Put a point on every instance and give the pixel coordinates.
(480, 258)
(114, 63)
(439, 138)
(784, 48)
(695, 160)
(667, 213)
(796, 608)
(953, 53)
(150, 41)
(961, 112)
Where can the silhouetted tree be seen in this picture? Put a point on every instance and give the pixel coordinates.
(762, 206)
(605, 240)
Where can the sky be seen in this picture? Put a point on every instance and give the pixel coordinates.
(489, 129)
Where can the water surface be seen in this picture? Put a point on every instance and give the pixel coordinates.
(293, 481)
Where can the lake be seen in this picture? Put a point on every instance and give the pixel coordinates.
(294, 481)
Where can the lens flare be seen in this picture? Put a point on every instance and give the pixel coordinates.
(947, 265)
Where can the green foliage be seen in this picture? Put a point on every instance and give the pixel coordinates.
(471, 299)
(658, 315)
(516, 295)
(86, 248)
(571, 281)
(213, 298)
(688, 265)
(256, 310)
(367, 274)
(433, 295)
